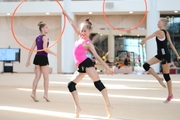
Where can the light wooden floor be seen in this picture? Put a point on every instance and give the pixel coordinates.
(134, 97)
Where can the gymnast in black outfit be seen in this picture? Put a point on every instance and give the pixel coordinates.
(163, 55)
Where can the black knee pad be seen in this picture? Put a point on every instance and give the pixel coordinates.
(166, 77)
(99, 85)
(146, 66)
(71, 86)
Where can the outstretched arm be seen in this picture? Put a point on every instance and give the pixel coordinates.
(71, 21)
(92, 49)
(30, 54)
(172, 46)
(149, 37)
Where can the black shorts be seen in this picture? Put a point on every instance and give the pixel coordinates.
(85, 64)
(41, 60)
(164, 59)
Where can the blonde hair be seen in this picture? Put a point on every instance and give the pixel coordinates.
(165, 20)
(41, 25)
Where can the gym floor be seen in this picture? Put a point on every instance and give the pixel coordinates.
(133, 97)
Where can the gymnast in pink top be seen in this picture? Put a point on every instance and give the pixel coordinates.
(80, 51)
(86, 65)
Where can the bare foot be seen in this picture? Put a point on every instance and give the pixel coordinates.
(34, 98)
(78, 111)
(46, 98)
(161, 82)
(109, 112)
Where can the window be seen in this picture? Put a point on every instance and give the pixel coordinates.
(124, 44)
(174, 31)
(100, 42)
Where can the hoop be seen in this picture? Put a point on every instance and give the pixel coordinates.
(12, 28)
(104, 14)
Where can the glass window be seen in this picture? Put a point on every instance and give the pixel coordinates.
(125, 44)
(100, 42)
(174, 31)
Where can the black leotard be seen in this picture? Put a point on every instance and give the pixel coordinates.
(162, 50)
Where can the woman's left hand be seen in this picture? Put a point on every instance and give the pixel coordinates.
(109, 71)
(27, 63)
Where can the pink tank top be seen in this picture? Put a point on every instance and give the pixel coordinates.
(79, 51)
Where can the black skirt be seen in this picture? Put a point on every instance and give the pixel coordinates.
(41, 60)
(85, 64)
(164, 58)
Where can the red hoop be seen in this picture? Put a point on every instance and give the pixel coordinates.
(12, 28)
(104, 14)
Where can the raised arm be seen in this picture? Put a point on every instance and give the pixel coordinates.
(107, 54)
(30, 53)
(71, 21)
(172, 46)
(46, 49)
(149, 37)
(92, 49)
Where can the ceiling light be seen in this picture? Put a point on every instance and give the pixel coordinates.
(175, 11)
(90, 12)
(47, 13)
(8, 14)
(138, 35)
(131, 12)
(120, 35)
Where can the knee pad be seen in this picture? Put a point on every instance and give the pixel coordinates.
(166, 77)
(146, 66)
(99, 85)
(71, 86)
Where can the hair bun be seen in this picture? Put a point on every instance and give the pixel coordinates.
(88, 21)
(40, 23)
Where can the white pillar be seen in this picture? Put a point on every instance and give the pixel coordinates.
(67, 42)
(53, 59)
(152, 20)
(111, 46)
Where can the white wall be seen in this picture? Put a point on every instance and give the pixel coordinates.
(168, 5)
(30, 8)
(53, 59)
(121, 6)
(118, 21)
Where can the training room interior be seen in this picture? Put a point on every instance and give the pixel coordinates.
(118, 27)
